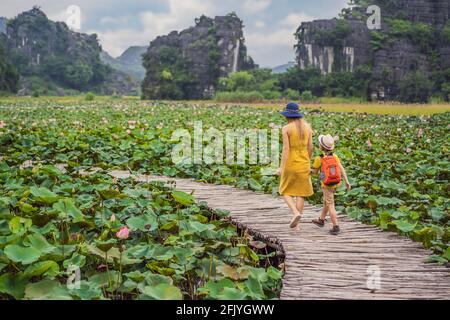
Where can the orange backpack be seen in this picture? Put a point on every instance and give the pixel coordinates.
(331, 171)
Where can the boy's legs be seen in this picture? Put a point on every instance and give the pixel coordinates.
(321, 221)
(328, 197)
(324, 213)
(333, 215)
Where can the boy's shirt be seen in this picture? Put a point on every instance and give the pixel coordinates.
(318, 165)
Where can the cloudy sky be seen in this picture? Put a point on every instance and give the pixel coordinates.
(269, 24)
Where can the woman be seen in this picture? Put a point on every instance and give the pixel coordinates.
(295, 167)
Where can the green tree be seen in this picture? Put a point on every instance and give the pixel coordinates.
(78, 75)
(9, 77)
(415, 87)
(238, 81)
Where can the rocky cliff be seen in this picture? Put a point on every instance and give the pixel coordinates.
(3, 25)
(52, 59)
(188, 64)
(414, 37)
(9, 78)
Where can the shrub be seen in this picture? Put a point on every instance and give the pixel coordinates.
(238, 81)
(415, 88)
(446, 91)
(239, 96)
(78, 75)
(446, 33)
(89, 96)
(419, 33)
(307, 96)
(271, 95)
(291, 94)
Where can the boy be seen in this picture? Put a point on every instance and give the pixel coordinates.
(331, 174)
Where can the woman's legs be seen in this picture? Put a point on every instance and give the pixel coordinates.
(292, 205)
(300, 204)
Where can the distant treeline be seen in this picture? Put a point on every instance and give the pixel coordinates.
(310, 84)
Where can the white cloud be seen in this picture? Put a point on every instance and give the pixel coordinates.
(280, 37)
(271, 48)
(181, 15)
(260, 24)
(255, 6)
(293, 20)
(112, 20)
(58, 16)
(276, 47)
(72, 16)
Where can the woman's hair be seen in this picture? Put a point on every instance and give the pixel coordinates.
(301, 125)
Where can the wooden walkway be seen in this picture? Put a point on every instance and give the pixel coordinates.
(322, 266)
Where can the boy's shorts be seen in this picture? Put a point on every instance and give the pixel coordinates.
(328, 196)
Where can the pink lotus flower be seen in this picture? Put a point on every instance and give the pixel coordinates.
(420, 133)
(123, 233)
(369, 143)
(408, 150)
(2, 124)
(113, 218)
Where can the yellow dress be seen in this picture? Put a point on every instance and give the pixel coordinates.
(296, 175)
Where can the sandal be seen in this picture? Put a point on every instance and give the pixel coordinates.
(335, 231)
(295, 221)
(319, 222)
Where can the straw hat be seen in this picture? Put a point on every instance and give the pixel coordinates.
(327, 142)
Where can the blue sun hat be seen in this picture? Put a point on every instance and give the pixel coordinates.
(292, 111)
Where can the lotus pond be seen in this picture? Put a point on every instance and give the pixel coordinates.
(55, 217)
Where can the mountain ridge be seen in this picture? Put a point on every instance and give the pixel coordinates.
(283, 68)
(189, 63)
(130, 61)
(412, 46)
(54, 60)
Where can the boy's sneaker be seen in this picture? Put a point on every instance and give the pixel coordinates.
(319, 222)
(335, 231)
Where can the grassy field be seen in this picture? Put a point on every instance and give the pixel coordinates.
(325, 104)
(369, 108)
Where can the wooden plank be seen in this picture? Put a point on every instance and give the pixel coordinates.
(322, 266)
